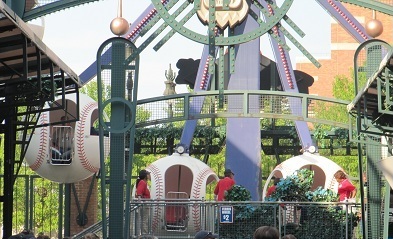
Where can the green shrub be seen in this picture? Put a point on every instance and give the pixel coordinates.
(238, 193)
(247, 217)
(315, 220)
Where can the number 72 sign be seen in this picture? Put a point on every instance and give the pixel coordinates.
(226, 214)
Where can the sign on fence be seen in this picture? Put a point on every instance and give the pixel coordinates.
(226, 214)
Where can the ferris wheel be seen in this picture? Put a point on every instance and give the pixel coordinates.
(233, 28)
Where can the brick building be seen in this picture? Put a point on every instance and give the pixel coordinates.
(343, 47)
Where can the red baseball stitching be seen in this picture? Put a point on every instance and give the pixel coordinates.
(195, 193)
(159, 187)
(43, 146)
(80, 136)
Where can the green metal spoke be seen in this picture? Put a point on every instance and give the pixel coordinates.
(221, 77)
(150, 39)
(271, 21)
(279, 41)
(146, 43)
(299, 46)
(156, 18)
(375, 5)
(288, 20)
(255, 16)
(271, 32)
(263, 10)
(172, 3)
(211, 37)
(231, 53)
(182, 21)
(294, 26)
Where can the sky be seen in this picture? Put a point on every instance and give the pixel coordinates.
(75, 34)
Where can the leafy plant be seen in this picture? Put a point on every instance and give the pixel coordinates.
(247, 217)
(238, 193)
(322, 195)
(331, 222)
(315, 220)
(293, 187)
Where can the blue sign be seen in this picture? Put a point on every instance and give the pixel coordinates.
(226, 214)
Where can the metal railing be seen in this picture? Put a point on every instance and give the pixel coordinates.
(249, 104)
(173, 219)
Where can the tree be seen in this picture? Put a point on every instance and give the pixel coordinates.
(91, 90)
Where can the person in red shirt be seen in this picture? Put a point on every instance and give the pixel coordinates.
(143, 192)
(224, 185)
(346, 190)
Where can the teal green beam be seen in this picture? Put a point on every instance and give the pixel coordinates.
(374, 5)
(172, 32)
(221, 78)
(288, 20)
(294, 26)
(282, 43)
(231, 53)
(287, 34)
(212, 47)
(264, 27)
(262, 9)
(53, 7)
(151, 38)
(157, 18)
(299, 46)
(212, 34)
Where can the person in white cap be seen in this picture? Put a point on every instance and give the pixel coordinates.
(205, 235)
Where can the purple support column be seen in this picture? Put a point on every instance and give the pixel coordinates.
(288, 81)
(345, 18)
(201, 82)
(243, 142)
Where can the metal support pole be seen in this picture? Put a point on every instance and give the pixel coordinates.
(122, 122)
